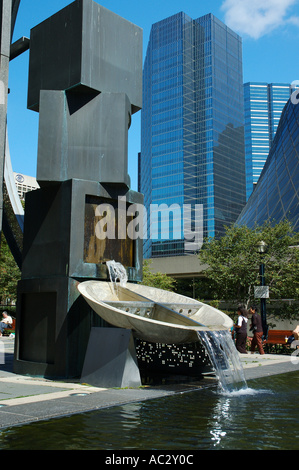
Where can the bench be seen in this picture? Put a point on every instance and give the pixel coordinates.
(10, 329)
(276, 340)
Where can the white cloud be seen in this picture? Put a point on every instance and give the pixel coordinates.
(293, 20)
(256, 18)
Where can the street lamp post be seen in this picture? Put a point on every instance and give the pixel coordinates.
(262, 249)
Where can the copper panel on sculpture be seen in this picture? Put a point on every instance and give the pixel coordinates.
(105, 232)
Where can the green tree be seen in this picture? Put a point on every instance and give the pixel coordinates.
(159, 280)
(9, 273)
(234, 262)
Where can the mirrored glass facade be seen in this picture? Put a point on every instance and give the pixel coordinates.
(276, 195)
(263, 104)
(192, 126)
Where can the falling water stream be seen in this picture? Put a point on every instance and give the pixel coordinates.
(225, 360)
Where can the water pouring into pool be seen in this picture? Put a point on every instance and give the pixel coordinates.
(225, 360)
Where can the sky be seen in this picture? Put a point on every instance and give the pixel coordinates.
(269, 31)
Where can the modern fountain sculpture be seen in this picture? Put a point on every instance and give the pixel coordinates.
(85, 80)
(85, 76)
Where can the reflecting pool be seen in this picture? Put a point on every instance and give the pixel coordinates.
(265, 416)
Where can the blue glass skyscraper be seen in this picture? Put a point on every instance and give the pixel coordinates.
(276, 196)
(192, 125)
(264, 103)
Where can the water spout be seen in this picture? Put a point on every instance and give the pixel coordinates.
(117, 272)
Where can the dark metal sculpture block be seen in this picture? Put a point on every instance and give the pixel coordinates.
(88, 48)
(83, 136)
(52, 328)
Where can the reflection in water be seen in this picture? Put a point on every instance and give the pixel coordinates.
(264, 416)
(229, 412)
(221, 414)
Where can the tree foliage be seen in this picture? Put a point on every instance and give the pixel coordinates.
(234, 262)
(9, 273)
(159, 280)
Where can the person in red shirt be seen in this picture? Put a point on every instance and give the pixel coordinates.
(257, 329)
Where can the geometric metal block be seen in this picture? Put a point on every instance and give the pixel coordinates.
(88, 48)
(84, 137)
(52, 328)
(110, 359)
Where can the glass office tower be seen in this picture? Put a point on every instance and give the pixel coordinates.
(276, 196)
(263, 103)
(192, 126)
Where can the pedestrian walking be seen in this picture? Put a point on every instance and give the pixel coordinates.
(257, 329)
